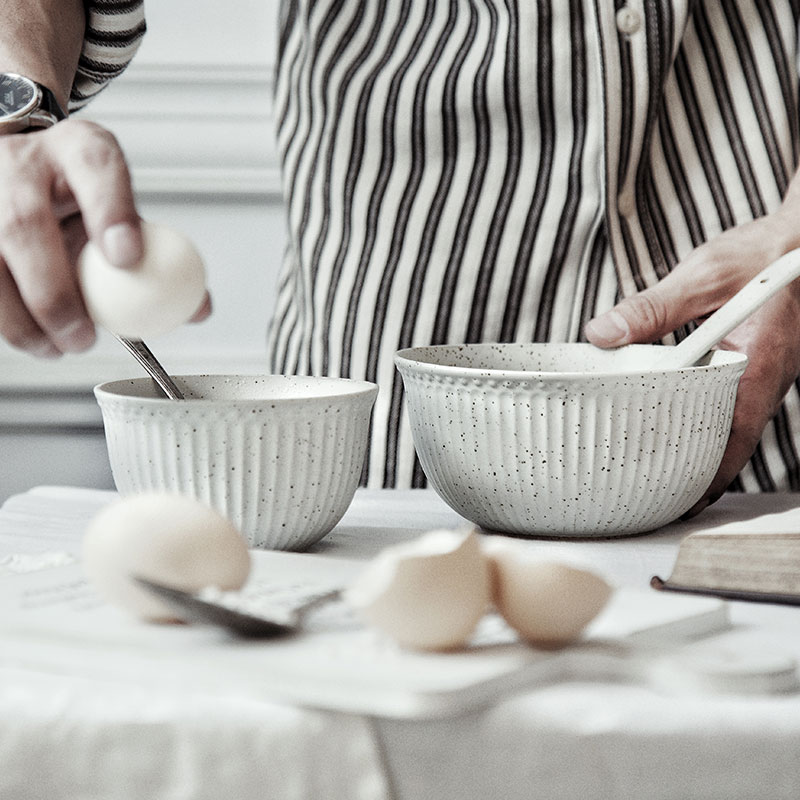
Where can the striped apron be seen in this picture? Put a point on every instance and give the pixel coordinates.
(503, 170)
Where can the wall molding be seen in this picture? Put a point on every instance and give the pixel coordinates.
(26, 411)
(61, 396)
(195, 129)
(223, 184)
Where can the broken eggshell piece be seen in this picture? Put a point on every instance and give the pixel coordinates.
(428, 594)
(548, 603)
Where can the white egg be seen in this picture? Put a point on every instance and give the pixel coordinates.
(428, 594)
(168, 538)
(549, 603)
(158, 295)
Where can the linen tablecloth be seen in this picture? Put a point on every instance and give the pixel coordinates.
(67, 735)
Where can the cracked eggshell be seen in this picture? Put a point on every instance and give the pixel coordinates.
(169, 538)
(548, 603)
(163, 291)
(428, 594)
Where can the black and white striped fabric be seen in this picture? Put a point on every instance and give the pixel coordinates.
(114, 30)
(499, 170)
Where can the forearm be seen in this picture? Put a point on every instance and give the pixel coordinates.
(42, 39)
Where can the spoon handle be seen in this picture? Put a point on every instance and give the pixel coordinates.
(191, 608)
(142, 353)
(749, 298)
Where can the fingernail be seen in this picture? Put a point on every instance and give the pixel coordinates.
(122, 245)
(77, 337)
(608, 328)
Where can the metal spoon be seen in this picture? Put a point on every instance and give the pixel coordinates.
(749, 298)
(192, 608)
(142, 353)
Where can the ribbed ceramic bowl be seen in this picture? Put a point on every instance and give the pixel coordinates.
(567, 439)
(279, 456)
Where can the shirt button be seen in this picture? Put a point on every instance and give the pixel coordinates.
(628, 20)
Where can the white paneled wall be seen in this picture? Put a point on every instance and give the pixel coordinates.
(193, 114)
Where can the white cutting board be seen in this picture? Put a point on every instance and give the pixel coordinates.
(51, 621)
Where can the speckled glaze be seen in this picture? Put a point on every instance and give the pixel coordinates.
(279, 456)
(566, 439)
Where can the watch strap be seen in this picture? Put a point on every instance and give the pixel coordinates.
(48, 111)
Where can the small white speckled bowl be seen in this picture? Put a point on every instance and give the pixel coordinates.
(280, 456)
(567, 439)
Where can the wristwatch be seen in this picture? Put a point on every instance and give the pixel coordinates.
(26, 105)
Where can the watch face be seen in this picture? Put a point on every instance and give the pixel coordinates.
(17, 94)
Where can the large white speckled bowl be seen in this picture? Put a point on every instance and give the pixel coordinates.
(567, 439)
(279, 456)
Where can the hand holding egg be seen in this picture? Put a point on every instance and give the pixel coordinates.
(163, 291)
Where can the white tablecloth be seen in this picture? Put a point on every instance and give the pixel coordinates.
(66, 735)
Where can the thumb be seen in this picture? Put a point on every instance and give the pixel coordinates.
(649, 315)
(122, 243)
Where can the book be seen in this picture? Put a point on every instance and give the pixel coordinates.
(743, 561)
